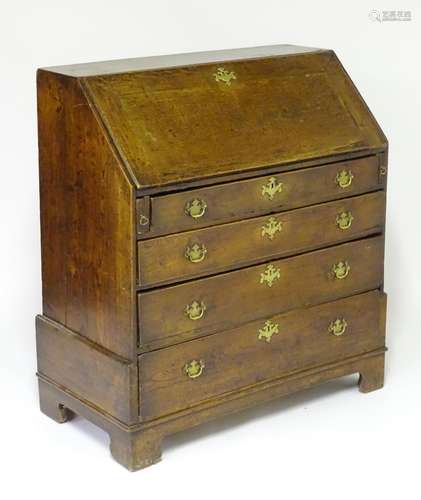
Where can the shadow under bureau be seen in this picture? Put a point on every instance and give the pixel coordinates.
(212, 238)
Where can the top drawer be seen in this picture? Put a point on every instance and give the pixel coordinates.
(231, 201)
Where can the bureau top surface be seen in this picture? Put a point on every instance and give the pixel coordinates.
(183, 118)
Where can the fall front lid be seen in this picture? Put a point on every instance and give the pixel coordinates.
(183, 123)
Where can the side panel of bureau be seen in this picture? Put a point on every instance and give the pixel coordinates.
(87, 221)
(245, 356)
(239, 296)
(91, 373)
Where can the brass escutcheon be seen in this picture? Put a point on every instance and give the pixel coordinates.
(271, 188)
(195, 208)
(271, 227)
(195, 310)
(268, 330)
(341, 269)
(194, 368)
(196, 253)
(222, 75)
(338, 327)
(269, 275)
(344, 178)
(344, 220)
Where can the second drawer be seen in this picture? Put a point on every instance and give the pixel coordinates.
(216, 249)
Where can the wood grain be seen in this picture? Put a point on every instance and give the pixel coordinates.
(175, 125)
(238, 244)
(237, 297)
(87, 221)
(123, 147)
(236, 358)
(243, 199)
(91, 372)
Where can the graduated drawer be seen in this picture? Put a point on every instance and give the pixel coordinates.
(180, 376)
(238, 200)
(229, 246)
(204, 306)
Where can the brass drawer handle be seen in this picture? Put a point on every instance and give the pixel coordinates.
(268, 330)
(344, 178)
(195, 310)
(271, 227)
(196, 208)
(344, 220)
(269, 275)
(196, 253)
(338, 327)
(271, 188)
(194, 368)
(341, 269)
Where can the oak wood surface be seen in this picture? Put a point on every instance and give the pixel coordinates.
(138, 446)
(91, 372)
(238, 358)
(123, 146)
(237, 297)
(87, 221)
(243, 199)
(180, 124)
(238, 244)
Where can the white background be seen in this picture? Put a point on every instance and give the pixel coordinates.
(328, 442)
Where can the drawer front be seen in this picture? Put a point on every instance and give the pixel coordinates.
(219, 248)
(180, 376)
(220, 302)
(272, 193)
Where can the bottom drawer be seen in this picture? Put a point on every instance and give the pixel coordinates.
(181, 376)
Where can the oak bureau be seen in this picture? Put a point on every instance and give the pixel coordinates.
(212, 238)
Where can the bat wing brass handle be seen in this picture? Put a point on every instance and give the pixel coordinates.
(270, 275)
(271, 227)
(271, 188)
(338, 327)
(196, 208)
(196, 253)
(195, 310)
(344, 178)
(268, 330)
(194, 368)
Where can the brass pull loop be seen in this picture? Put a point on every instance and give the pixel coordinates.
(338, 327)
(271, 188)
(195, 208)
(341, 269)
(344, 178)
(271, 227)
(344, 220)
(268, 330)
(195, 310)
(194, 368)
(196, 253)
